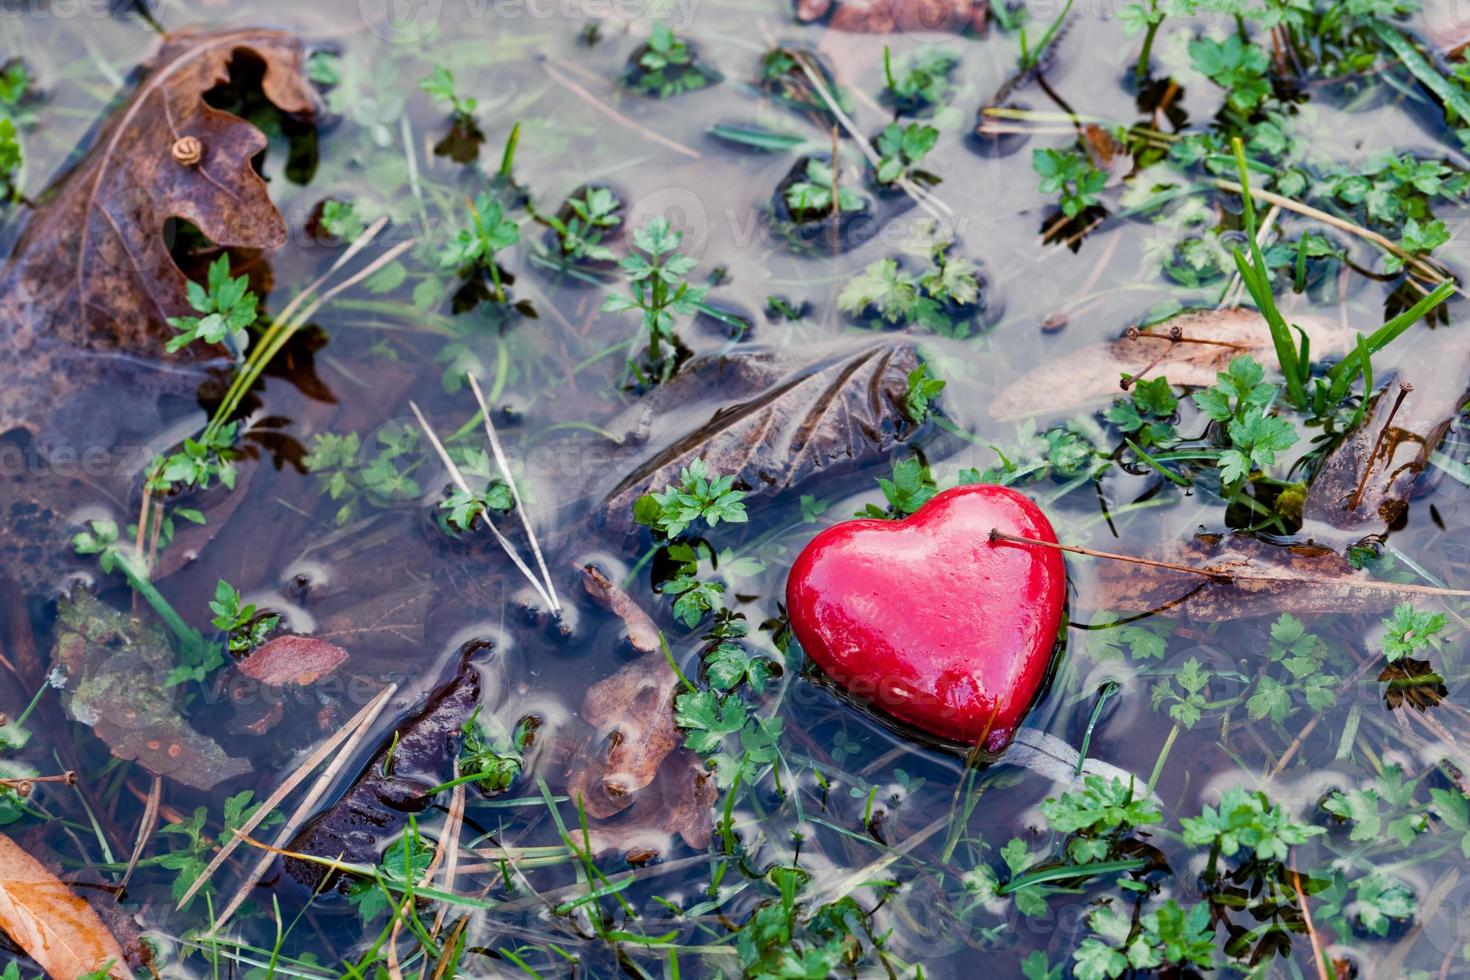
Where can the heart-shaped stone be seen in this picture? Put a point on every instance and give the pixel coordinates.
(929, 620)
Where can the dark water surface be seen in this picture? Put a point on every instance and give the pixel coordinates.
(863, 811)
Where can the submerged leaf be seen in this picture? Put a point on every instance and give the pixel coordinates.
(115, 668)
(633, 712)
(90, 284)
(777, 421)
(415, 758)
(1364, 485)
(1251, 578)
(643, 635)
(1211, 338)
(293, 660)
(55, 927)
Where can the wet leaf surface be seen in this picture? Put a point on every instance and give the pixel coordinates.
(678, 801)
(1258, 578)
(115, 668)
(417, 756)
(642, 632)
(631, 777)
(633, 712)
(1364, 485)
(1210, 339)
(297, 660)
(778, 420)
(56, 927)
(90, 282)
(86, 291)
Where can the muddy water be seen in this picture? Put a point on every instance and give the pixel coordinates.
(404, 599)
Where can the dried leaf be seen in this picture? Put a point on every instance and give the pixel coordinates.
(1414, 683)
(417, 757)
(1091, 374)
(633, 712)
(643, 635)
(85, 292)
(770, 421)
(90, 283)
(1364, 485)
(115, 667)
(55, 927)
(893, 16)
(293, 660)
(1256, 578)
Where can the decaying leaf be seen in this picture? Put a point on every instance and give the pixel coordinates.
(770, 421)
(1364, 485)
(418, 756)
(56, 927)
(114, 668)
(90, 282)
(643, 634)
(1254, 578)
(1414, 683)
(1209, 339)
(633, 712)
(677, 802)
(891, 16)
(293, 659)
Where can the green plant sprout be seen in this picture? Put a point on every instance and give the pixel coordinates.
(659, 290)
(439, 84)
(1071, 174)
(901, 148)
(817, 191)
(667, 65)
(593, 213)
(473, 249)
(227, 306)
(923, 83)
(699, 496)
(244, 630)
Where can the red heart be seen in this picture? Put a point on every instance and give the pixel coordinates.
(929, 620)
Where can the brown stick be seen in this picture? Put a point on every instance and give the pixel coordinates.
(145, 828)
(998, 535)
(1404, 389)
(1216, 574)
(1301, 897)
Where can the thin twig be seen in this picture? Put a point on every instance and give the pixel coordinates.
(1231, 296)
(459, 481)
(347, 739)
(998, 535)
(925, 199)
(1423, 268)
(611, 113)
(1311, 725)
(515, 495)
(145, 828)
(1404, 389)
(1221, 575)
(1301, 898)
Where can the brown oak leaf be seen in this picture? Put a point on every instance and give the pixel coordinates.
(90, 284)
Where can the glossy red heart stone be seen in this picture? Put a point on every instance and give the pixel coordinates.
(930, 621)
